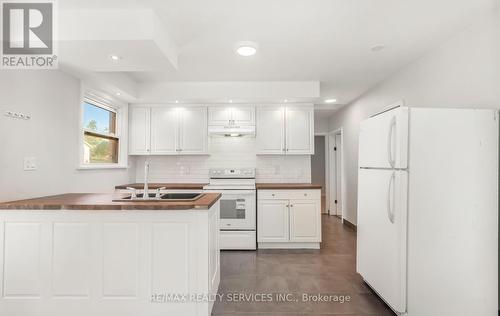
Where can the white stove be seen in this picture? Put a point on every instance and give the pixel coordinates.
(237, 207)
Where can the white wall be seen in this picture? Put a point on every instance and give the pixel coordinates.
(52, 98)
(463, 72)
(226, 152)
(321, 122)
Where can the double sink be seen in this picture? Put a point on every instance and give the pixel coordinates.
(166, 197)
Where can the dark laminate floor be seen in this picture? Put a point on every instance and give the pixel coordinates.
(331, 270)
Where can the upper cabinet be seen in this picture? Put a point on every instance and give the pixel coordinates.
(193, 131)
(231, 116)
(139, 130)
(271, 130)
(164, 130)
(285, 130)
(168, 131)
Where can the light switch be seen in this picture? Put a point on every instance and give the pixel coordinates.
(30, 163)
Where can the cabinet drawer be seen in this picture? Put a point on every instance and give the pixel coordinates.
(237, 240)
(289, 194)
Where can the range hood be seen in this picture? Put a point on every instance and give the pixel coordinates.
(231, 131)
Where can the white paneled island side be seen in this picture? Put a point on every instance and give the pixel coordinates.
(82, 254)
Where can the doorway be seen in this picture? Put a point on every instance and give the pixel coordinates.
(336, 176)
(318, 167)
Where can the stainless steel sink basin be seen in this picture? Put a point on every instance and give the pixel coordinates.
(167, 197)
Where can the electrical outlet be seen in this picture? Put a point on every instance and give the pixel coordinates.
(277, 169)
(30, 163)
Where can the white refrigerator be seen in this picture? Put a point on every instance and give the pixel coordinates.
(428, 210)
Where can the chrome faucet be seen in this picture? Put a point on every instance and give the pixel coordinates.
(146, 180)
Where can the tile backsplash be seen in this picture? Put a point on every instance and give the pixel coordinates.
(226, 152)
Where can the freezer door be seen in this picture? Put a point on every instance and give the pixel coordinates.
(383, 140)
(381, 241)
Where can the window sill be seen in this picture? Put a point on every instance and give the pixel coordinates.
(101, 167)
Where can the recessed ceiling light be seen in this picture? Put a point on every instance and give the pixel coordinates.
(377, 48)
(330, 100)
(176, 101)
(114, 57)
(230, 101)
(286, 100)
(118, 94)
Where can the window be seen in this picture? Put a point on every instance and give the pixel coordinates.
(101, 141)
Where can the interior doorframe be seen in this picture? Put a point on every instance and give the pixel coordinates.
(327, 173)
(332, 185)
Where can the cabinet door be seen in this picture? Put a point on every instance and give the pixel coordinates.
(139, 131)
(242, 116)
(219, 116)
(272, 223)
(193, 131)
(305, 221)
(164, 131)
(299, 131)
(271, 130)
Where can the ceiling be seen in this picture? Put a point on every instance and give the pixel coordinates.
(317, 40)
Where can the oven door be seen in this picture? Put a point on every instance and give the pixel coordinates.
(237, 210)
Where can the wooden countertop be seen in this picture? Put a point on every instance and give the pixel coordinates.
(168, 186)
(287, 186)
(97, 201)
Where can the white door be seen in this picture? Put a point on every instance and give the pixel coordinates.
(383, 140)
(272, 221)
(139, 131)
(338, 174)
(381, 233)
(299, 131)
(164, 131)
(270, 130)
(305, 221)
(242, 116)
(193, 131)
(219, 116)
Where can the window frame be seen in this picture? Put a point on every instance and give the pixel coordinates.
(120, 133)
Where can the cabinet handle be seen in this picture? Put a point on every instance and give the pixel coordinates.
(273, 194)
(305, 194)
(291, 205)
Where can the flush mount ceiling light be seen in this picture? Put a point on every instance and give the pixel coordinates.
(330, 100)
(377, 48)
(246, 49)
(115, 57)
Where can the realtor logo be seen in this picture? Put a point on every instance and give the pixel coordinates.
(28, 35)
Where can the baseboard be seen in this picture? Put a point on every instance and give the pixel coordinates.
(350, 225)
(289, 245)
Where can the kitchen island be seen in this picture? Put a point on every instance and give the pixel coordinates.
(83, 254)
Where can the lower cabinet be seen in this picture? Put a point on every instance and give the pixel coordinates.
(289, 219)
(272, 221)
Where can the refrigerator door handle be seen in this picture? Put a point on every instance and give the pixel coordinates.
(390, 200)
(390, 142)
